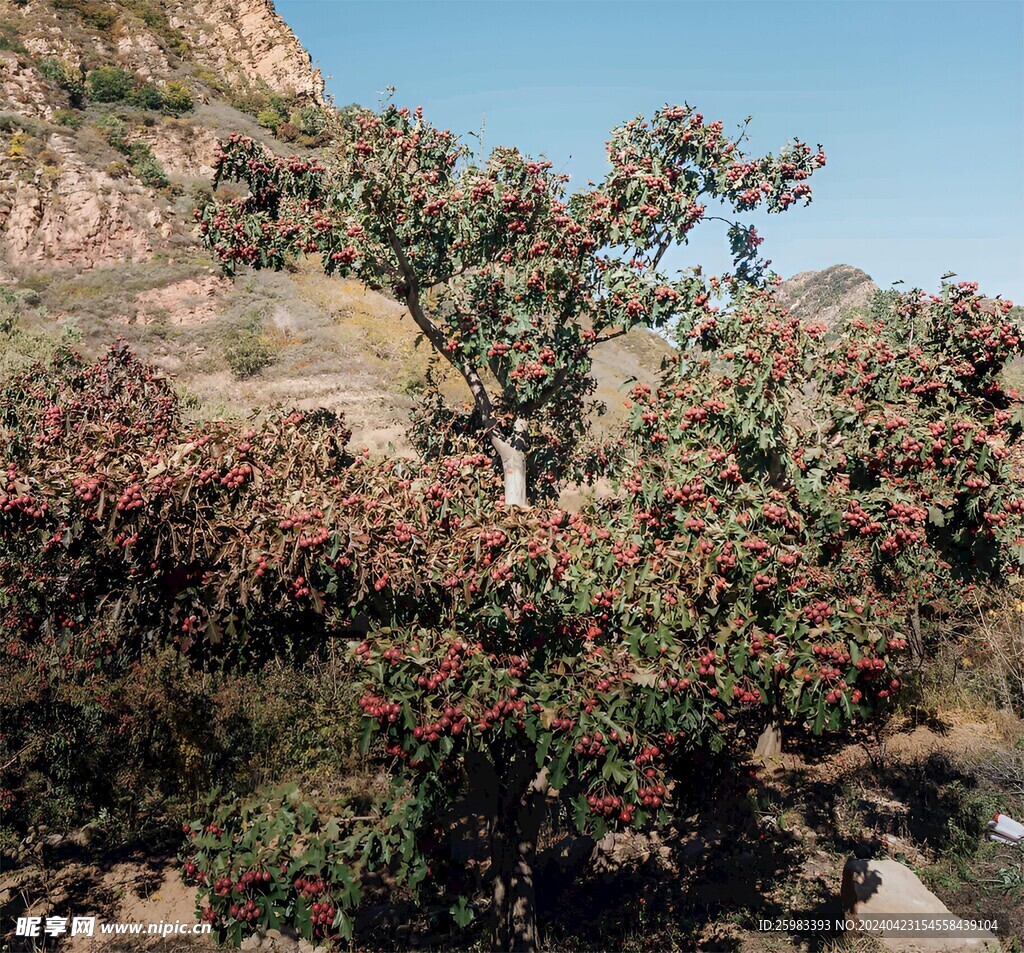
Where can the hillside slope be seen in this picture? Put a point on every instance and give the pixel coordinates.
(97, 188)
(828, 295)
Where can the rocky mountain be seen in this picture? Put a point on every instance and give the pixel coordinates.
(110, 113)
(827, 296)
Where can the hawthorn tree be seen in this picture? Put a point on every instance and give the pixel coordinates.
(508, 275)
(758, 564)
(788, 499)
(761, 556)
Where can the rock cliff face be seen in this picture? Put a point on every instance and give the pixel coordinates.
(246, 39)
(69, 214)
(22, 90)
(88, 181)
(226, 44)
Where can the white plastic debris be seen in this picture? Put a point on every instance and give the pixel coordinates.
(1002, 840)
(1005, 828)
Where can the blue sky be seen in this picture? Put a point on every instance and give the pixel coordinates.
(919, 105)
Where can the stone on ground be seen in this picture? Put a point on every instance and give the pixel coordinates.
(886, 889)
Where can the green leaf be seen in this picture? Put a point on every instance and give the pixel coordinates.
(462, 912)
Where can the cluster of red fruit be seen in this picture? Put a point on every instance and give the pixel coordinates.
(674, 683)
(236, 476)
(647, 755)
(131, 498)
(313, 539)
(610, 805)
(87, 488)
(836, 653)
(380, 708)
(322, 915)
(745, 695)
(248, 911)
(501, 711)
(901, 540)
(871, 666)
(591, 746)
(449, 667)
(24, 503)
(818, 612)
(652, 796)
(452, 721)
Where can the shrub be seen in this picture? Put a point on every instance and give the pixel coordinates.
(67, 117)
(270, 119)
(114, 131)
(111, 729)
(137, 417)
(249, 351)
(177, 98)
(147, 96)
(145, 166)
(250, 101)
(16, 148)
(747, 571)
(93, 13)
(10, 40)
(310, 120)
(108, 84)
(269, 861)
(739, 576)
(64, 76)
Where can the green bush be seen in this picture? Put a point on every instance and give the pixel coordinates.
(249, 352)
(94, 728)
(177, 98)
(67, 117)
(269, 861)
(98, 16)
(310, 120)
(9, 40)
(67, 78)
(276, 116)
(246, 101)
(145, 166)
(270, 119)
(108, 84)
(52, 69)
(114, 130)
(147, 96)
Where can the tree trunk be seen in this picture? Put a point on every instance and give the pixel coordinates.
(769, 744)
(512, 453)
(513, 852)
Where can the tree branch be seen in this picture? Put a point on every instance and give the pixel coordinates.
(610, 337)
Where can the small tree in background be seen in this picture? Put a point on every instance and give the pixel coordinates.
(507, 275)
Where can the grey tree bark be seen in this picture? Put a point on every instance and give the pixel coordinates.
(512, 453)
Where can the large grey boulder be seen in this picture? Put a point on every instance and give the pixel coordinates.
(888, 890)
